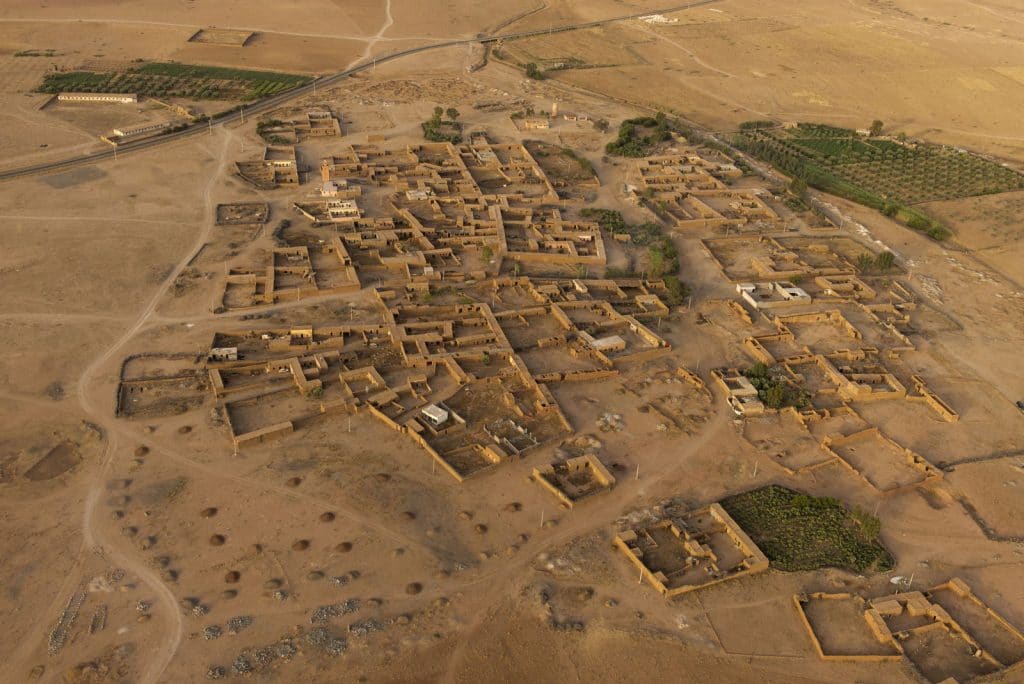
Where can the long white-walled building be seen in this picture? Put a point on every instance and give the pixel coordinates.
(122, 98)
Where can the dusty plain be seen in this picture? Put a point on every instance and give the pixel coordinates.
(146, 542)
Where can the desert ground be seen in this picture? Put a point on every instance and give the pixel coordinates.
(160, 525)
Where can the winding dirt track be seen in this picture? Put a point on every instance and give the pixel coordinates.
(118, 434)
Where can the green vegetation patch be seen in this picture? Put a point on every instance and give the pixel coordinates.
(773, 389)
(170, 79)
(801, 532)
(436, 129)
(638, 137)
(888, 175)
(662, 255)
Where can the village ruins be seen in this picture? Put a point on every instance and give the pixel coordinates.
(427, 373)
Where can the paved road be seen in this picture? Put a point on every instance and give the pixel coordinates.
(323, 82)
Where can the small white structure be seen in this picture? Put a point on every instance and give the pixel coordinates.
(435, 415)
(772, 295)
(604, 344)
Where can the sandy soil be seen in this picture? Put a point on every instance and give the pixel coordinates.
(147, 550)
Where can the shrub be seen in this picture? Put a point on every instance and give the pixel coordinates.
(801, 532)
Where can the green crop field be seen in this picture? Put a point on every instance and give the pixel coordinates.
(801, 532)
(170, 79)
(888, 175)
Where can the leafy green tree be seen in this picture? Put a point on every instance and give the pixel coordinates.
(453, 113)
(876, 128)
(775, 396)
(534, 72)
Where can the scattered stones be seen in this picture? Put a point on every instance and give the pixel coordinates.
(323, 640)
(216, 672)
(99, 619)
(610, 422)
(342, 580)
(285, 649)
(239, 623)
(217, 540)
(241, 666)
(365, 627)
(324, 613)
(281, 595)
(413, 588)
(212, 632)
(59, 634)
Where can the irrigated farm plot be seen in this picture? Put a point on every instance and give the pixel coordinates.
(169, 79)
(885, 174)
